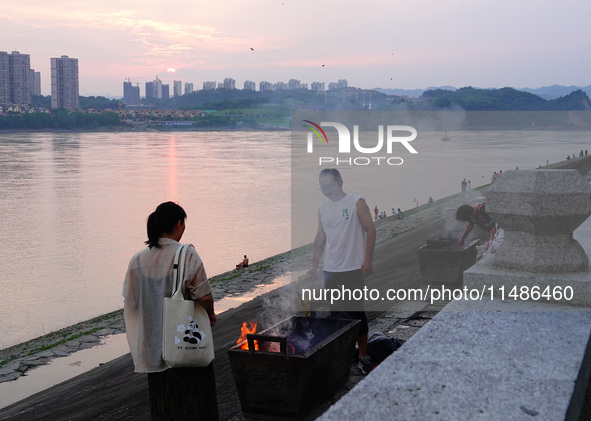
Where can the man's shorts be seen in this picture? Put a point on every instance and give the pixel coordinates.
(347, 308)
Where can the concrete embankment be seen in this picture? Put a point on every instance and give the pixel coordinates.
(114, 392)
(18, 359)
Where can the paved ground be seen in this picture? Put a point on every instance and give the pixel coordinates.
(114, 392)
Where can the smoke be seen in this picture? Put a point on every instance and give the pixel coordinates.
(277, 317)
(452, 228)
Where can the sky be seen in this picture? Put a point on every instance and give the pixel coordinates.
(410, 44)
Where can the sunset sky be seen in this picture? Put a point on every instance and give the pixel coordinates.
(373, 43)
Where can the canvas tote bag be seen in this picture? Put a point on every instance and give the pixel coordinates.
(187, 340)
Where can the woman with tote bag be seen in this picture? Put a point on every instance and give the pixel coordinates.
(178, 393)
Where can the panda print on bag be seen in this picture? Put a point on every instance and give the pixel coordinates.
(192, 334)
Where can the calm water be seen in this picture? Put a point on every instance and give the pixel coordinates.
(74, 206)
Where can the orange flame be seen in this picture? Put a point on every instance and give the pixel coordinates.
(245, 330)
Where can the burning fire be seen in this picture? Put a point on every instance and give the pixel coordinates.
(245, 330)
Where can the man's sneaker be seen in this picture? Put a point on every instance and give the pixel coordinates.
(365, 364)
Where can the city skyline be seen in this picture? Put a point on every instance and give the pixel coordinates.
(379, 44)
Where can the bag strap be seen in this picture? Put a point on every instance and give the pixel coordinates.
(178, 268)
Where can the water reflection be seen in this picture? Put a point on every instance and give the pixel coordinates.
(74, 208)
(173, 170)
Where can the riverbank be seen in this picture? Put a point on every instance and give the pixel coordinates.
(151, 127)
(16, 360)
(114, 392)
(20, 358)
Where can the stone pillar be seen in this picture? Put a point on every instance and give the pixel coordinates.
(538, 211)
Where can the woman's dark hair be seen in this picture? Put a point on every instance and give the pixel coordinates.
(162, 221)
(464, 213)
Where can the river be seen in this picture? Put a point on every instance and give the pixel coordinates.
(74, 205)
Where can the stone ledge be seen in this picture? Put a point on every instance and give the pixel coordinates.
(479, 361)
(484, 275)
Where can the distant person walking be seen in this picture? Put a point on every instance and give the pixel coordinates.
(346, 236)
(376, 212)
(464, 186)
(175, 393)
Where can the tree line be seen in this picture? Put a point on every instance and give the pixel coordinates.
(60, 119)
(468, 98)
(505, 99)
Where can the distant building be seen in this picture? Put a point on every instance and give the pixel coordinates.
(249, 85)
(35, 82)
(265, 86)
(131, 94)
(188, 88)
(4, 78)
(157, 83)
(229, 83)
(165, 91)
(150, 90)
(177, 88)
(279, 86)
(64, 83)
(15, 69)
(208, 86)
(293, 84)
(318, 86)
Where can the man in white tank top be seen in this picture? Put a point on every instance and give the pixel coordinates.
(346, 235)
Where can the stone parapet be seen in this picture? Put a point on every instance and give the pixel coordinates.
(501, 359)
(539, 210)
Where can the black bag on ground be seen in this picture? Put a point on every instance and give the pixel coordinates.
(379, 347)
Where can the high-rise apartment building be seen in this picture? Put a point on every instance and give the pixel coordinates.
(15, 71)
(249, 85)
(64, 83)
(280, 86)
(188, 88)
(3, 78)
(318, 86)
(149, 89)
(34, 82)
(294, 84)
(154, 89)
(131, 94)
(208, 85)
(157, 83)
(177, 88)
(265, 86)
(229, 83)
